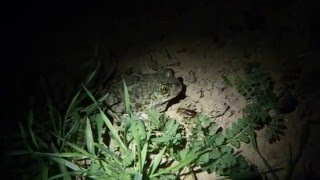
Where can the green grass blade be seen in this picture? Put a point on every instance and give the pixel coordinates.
(63, 169)
(44, 172)
(52, 120)
(33, 138)
(75, 127)
(42, 143)
(90, 95)
(113, 131)
(66, 163)
(126, 98)
(61, 155)
(30, 124)
(89, 138)
(139, 133)
(63, 175)
(186, 162)
(144, 152)
(81, 150)
(161, 139)
(30, 118)
(91, 76)
(70, 109)
(75, 147)
(59, 128)
(106, 150)
(22, 132)
(99, 124)
(191, 156)
(156, 161)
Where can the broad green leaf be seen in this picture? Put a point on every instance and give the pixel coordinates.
(250, 132)
(235, 143)
(154, 117)
(243, 138)
(235, 128)
(204, 120)
(228, 159)
(215, 153)
(242, 122)
(229, 133)
(204, 158)
(170, 126)
(138, 129)
(219, 139)
(128, 156)
(226, 149)
(213, 129)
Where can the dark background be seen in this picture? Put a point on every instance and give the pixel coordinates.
(35, 33)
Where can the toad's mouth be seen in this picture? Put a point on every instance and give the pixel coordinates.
(168, 97)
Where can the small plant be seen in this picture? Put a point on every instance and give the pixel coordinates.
(257, 88)
(218, 156)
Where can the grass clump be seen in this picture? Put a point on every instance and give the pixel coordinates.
(75, 145)
(85, 142)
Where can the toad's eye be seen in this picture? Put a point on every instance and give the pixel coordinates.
(163, 88)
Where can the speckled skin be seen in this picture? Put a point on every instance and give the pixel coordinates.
(146, 91)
